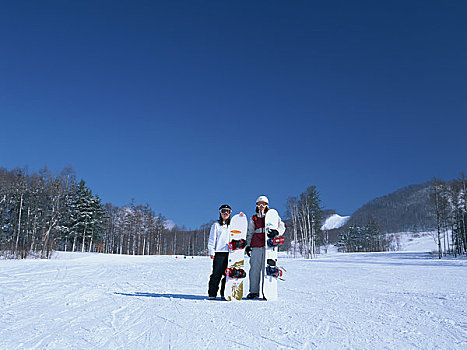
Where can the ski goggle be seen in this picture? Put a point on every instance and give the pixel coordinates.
(261, 204)
(225, 211)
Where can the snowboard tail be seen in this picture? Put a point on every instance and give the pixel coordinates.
(272, 240)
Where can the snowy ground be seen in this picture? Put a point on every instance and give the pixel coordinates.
(401, 300)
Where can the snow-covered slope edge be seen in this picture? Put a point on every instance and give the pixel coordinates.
(416, 241)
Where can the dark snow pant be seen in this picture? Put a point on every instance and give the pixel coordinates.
(219, 265)
(256, 269)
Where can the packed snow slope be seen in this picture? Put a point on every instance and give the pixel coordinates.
(401, 300)
(418, 241)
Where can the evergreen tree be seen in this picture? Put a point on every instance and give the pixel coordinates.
(87, 217)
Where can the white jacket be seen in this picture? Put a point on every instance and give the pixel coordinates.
(218, 238)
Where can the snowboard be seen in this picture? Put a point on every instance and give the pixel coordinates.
(235, 272)
(271, 270)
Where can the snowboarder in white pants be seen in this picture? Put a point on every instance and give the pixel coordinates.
(255, 245)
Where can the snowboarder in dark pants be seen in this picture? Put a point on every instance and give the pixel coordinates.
(255, 249)
(219, 251)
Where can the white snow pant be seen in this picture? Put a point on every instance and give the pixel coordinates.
(256, 269)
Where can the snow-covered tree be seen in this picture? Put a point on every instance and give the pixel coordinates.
(87, 217)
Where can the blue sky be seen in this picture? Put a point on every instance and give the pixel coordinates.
(186, 105)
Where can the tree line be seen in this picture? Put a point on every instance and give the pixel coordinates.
(304, 230)
(305, 236)
(42, 212)
(449, 203)
(365, 238)
(137, 230)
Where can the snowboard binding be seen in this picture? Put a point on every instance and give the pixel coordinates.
(233, 272)
(274, 242)
(271, 262)
(237, 244)
(272, 233)
(273, 271)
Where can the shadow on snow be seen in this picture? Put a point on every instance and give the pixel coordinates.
(165, 295)
(175, 296)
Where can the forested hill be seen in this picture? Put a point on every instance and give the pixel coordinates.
(407, 209)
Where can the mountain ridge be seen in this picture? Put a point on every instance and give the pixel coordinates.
(406, 209)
